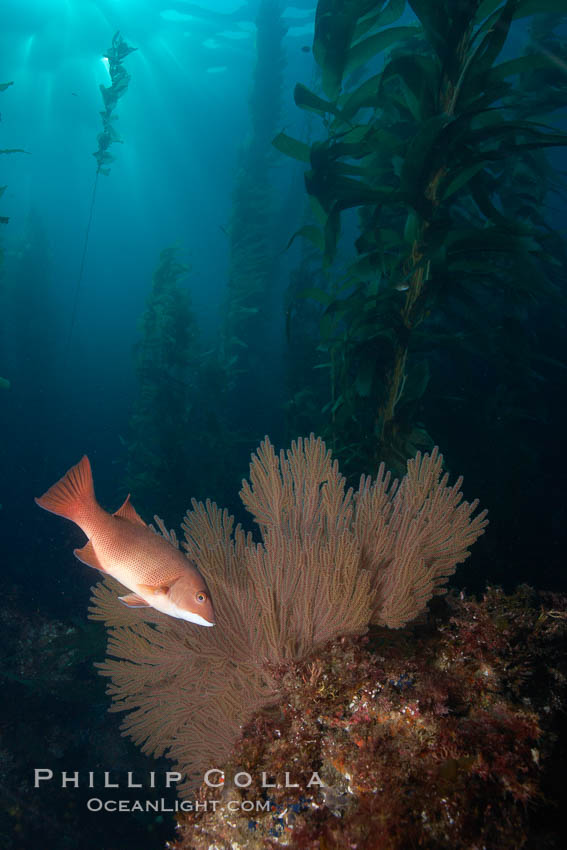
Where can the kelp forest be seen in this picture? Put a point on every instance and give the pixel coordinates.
(420, 300)
(339, 390)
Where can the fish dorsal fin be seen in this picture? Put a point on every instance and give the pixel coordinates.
(88, 556)
(132, 600)
(127, 511)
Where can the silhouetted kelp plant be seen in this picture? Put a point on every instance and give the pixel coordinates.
(442, 152)
(120, 78)
(166, 408)
(182, 389)
(330, 562)
(26, 304)
(252, 269)
(119, 81)
(4, 219)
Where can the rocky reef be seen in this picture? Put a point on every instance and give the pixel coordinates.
(445, 735)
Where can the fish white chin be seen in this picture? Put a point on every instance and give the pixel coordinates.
(193, 618)
(163, 604)
(190, 616)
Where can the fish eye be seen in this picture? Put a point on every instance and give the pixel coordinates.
(200, 596)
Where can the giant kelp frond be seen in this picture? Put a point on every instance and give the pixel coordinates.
(115, 55)
(111, 94)
(329, 562)
(440, 143)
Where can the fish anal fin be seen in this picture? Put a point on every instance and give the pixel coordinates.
(88, 556)
(152, 589)
(132, 600)
(128, 512)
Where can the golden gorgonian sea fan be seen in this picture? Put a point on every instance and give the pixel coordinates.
(330, 561)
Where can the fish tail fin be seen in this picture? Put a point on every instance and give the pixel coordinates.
(69, 496)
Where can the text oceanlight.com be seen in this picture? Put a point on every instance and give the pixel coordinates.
(95, 804)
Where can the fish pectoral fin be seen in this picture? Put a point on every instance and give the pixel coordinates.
(154, 588)
(128, 512)
(132, 600)
(88, 556)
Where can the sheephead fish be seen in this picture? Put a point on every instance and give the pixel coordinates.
(124, 547)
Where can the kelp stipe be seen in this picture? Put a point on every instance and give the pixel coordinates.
(120, 78)
(4, 219)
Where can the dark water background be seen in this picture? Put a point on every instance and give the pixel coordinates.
(183, 128)
(173, 177)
